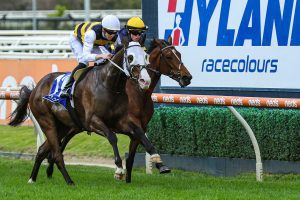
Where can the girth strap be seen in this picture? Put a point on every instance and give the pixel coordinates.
(74, 115)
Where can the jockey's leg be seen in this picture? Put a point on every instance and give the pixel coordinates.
(64, 92)
(77, 49)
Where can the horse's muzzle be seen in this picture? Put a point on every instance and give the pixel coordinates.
(144, 84)
(144, 79)
(185, 80)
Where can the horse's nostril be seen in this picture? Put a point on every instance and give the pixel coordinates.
(142, 80)
(187, 78)
(144, 84)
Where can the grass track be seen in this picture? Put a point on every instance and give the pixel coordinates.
(98, 183)
(23, 139)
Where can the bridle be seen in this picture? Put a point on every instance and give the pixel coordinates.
(173, 74)
(129, 68)
(129, 71)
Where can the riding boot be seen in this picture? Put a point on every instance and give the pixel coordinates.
(65, 90)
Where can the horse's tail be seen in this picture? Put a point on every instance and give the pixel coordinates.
(20, 114)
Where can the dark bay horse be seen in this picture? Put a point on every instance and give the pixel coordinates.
(100, 100)
(164, 59)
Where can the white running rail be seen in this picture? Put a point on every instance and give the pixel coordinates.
(28, 44)
(122, 14)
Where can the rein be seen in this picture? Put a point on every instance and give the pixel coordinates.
(129, 76)
(117, 66)
(153, 70)
(126, 72)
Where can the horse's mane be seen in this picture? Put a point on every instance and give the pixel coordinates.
(153, 44)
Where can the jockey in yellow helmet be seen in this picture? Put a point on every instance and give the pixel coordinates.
(134, 29)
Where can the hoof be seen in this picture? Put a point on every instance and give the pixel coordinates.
(71, 183)
(30, 181)
(128, 181)
(164, 170)
(120, 174)
(120, 177)
(49, 173)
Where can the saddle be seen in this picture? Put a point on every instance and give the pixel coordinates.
(80, 74)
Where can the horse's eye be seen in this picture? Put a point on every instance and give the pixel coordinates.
(169, 57)
(130, 58)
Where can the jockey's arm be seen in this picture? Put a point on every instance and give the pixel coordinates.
(88, 56)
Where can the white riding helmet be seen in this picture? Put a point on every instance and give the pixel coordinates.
(111, 22)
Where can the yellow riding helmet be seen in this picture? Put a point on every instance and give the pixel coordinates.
(136, 23)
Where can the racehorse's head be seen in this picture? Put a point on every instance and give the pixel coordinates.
(167, 60)
(136, 60)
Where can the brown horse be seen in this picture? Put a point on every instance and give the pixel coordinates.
(164, 59)
(100, 100)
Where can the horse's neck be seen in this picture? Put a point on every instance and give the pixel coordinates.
(154, 80)
(112, 77)
(156, 67)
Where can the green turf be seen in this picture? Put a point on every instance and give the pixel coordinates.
(23, 139)
(98, 183)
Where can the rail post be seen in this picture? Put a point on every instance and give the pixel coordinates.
(259, 166)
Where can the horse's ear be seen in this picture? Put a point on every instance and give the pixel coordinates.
(142, 40)
(170, 39)
(125, 41)
(118, 47)
(156, 41)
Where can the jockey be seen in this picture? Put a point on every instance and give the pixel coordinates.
(90, 42)
(134, 30)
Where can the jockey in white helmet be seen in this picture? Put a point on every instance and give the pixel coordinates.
(89, 43)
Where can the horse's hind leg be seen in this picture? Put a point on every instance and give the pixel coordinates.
(63, 145)
(48, 126)
(130, 159)
(50, 167)
(58, 157)
(43, 151)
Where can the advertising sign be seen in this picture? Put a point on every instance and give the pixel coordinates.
(235, 43)
(26, 72)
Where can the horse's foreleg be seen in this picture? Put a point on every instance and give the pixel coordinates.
(130, 159)
(154, 156)
(100, 128)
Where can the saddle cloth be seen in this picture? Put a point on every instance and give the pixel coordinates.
(56, 88)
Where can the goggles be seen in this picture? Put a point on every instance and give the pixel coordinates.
(135, 32)
(110, 32)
